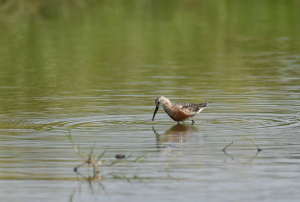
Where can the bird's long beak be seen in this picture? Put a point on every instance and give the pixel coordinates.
(155, 112)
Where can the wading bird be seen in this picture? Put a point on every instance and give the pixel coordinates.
(178, 111)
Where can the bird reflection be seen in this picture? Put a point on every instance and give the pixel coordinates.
(174, 137)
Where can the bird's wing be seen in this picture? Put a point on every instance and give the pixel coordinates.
(190, 108)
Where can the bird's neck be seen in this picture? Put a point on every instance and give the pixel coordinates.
(168, 107)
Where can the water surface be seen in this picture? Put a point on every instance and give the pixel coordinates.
(94, 69)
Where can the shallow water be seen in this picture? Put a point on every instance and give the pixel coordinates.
(97, 78)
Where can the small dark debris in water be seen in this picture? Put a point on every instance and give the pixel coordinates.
(120, 156)
(75, 169)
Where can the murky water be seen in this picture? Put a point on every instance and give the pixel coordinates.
(93, 70)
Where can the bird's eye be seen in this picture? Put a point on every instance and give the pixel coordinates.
(158, 103)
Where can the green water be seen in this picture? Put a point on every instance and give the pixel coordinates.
(95, 68)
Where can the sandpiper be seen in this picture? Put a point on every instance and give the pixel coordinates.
(178, 111)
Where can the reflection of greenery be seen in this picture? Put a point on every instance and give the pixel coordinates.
(48, 47)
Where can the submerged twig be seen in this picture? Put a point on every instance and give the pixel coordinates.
(227, 146)
(91, 183)
(101, 155)
(74, 146)
(258, 149)
(89, 159)
(168, 162)
(254, 157)
(119, 176)
(231, 142)
(141, 158)
(89, 162)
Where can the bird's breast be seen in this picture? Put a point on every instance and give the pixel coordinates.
(178, 115)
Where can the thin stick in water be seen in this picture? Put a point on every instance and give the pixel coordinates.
(258, 149)
(167, 164)
(227, 146)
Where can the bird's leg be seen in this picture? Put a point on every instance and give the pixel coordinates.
(193, 121)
